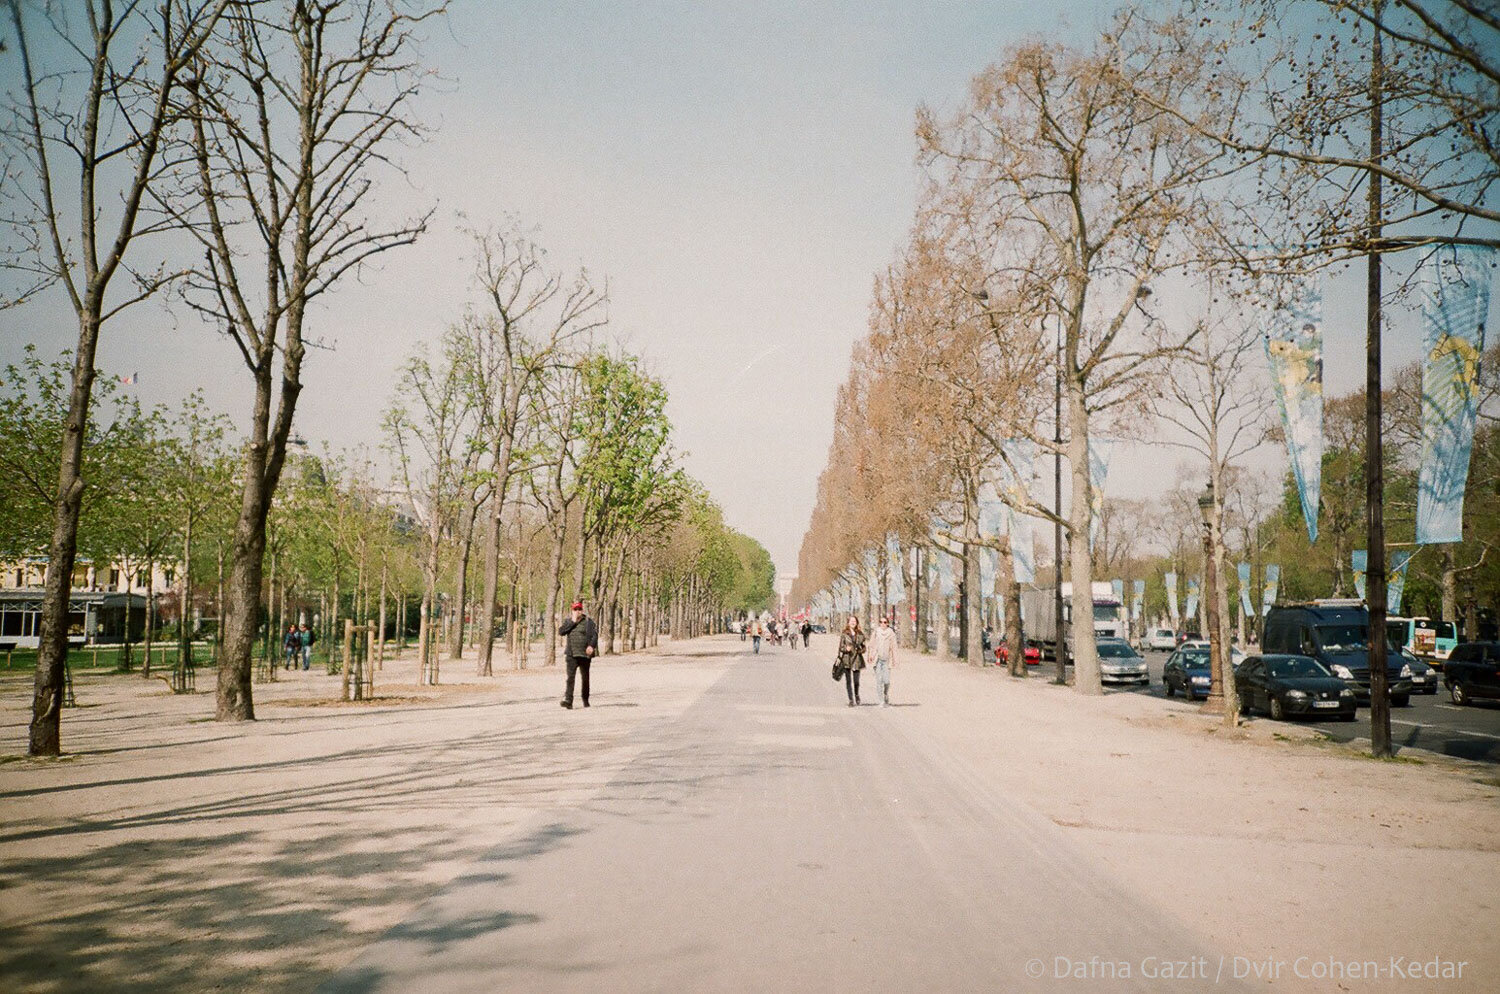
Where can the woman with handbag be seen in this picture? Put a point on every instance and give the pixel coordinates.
(852, 657)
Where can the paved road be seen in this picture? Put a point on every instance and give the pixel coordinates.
(772, 839)
(1431, 722)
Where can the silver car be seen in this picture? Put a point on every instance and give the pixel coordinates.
(1119, 663)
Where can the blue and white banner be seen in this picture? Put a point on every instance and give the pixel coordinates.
(1400, 559)
(1138, 601)
(895, 565)
(989, 568)
(1245, 608)
(1455, 303)
(944, 571)
(1100, 450)
(1192, 598)
(1294, 353)
(1015, 487)
(1117, 587)
(1268, 591)
(1171, 581)
(1358, 560)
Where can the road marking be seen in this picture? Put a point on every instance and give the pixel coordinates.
(808, 720)
(802, 741)
(1440, 728)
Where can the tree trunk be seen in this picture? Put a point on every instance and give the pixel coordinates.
(1086, 677)
(973, 589)
(185, 598)
(456, 647)
(1450, 585)
(150, 615)
(1015, 645)
(45, 734)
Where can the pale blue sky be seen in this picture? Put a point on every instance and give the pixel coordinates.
(738, 171)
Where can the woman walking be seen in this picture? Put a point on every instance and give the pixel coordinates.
(883, 651)
(852, 657)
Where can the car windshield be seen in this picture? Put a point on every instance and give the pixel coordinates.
(1296, 667)
(1106, 612)
(1165, 633)
(1344, 638)
(1116, 650)
(1195, 658)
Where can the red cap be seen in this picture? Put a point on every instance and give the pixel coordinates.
(578, 605)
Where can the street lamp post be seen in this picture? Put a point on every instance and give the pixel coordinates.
(1061, 641)
(1217, 673)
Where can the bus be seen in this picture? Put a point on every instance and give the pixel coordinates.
(1423, 637)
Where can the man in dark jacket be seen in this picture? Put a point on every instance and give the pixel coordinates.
(582, 646)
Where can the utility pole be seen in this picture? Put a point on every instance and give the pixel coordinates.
(1380, 704)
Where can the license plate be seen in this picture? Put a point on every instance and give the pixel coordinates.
(1325, 704)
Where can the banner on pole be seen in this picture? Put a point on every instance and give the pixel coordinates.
(895, 564)
(1138, 600)
(1358, 561)
(1099, 453)
(1268, 591)
(1020, 453)
(1245, 609)
(1192, 599)
(1400, 559)
(1455, 303)
(1171, 581)
(1294, 352)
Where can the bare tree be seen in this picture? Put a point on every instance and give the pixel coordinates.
(536, 314)
(98, 126)
(292, 112)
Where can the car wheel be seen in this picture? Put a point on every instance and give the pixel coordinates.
(1349, 717)
(1459, 694)
(1278, 713)
(1403, 701)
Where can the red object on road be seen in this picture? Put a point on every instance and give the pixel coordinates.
(1032, 655)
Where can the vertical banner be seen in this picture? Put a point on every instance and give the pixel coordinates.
(1294, 352)
(1455, 303)
(895, 564)
(1357, 561)
(1138, 601)
(989, 569)
(872, 574)
(944, 571)
(1099, 453)
(1022, 546)
(1268, 592)
(1117, 587)
(1245, 609)
(1171, 581)
(1192, 599)
(1400, 559)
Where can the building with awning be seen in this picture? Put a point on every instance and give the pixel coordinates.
(95, 617)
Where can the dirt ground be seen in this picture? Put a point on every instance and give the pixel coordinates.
(170, 852)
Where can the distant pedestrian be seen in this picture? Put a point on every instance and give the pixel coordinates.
(291, 645)
(789, 627)
(581, 648)
(883, 651)
(806, 631)
(307, 637)
(757, 631)
(744, 627)
(852, 657)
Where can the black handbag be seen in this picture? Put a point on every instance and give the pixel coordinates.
(838, 671)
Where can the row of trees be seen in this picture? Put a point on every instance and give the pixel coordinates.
(227, 156)
(1215, 154)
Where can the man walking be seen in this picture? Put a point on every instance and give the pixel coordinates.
(883, 651)
(307, 638)
(582, 646)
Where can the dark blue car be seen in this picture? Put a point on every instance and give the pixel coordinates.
(1187, 671)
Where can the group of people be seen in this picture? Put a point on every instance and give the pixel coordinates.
(878, 652)
(297, 645)
(787, 629)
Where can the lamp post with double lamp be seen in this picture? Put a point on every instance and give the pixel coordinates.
(1217, 672)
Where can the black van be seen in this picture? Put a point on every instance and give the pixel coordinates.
(1337, 634)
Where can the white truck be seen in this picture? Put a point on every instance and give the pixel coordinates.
(1038, 614)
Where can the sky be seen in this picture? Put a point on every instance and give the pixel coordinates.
(738, 172)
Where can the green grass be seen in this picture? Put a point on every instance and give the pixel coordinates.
(107, 657)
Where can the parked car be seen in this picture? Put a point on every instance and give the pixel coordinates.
(1119, 663)
(1032, 655)
(1337, 634)
(1236, 654)
(1473, 671)
(1187, 670)
(1284, 686)
(1163, 639)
